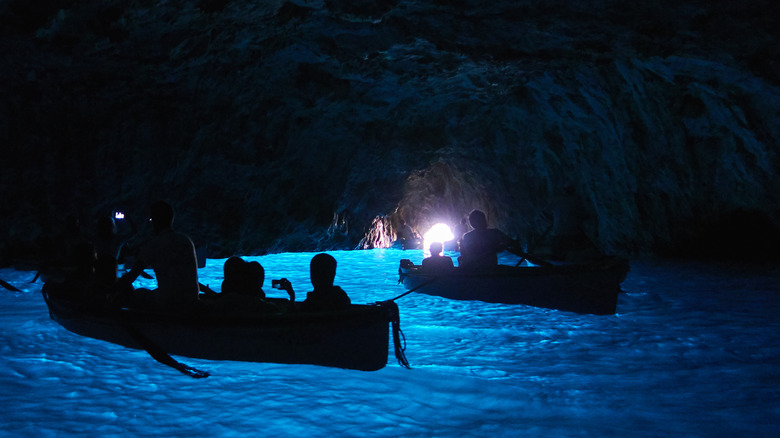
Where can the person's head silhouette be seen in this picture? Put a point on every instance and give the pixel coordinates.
(436, 248)
(322, 270)
(162, 215)
(478, 220)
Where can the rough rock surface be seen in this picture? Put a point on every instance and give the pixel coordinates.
(292, 125)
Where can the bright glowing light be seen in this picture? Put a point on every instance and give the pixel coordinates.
(438, 233)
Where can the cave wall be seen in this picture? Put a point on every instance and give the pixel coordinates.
(292, 125)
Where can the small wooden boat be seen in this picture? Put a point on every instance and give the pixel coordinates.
(354, 338)
(581, 288)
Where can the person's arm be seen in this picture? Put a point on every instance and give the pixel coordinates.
(139, 264)
(132, 274)
(465, 245)
(284, 284)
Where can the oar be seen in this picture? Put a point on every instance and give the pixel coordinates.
(143, 274)
(533, 259)
(513, 248)
(416, 288)
(161, 355)
(9, 286)
(153, 349)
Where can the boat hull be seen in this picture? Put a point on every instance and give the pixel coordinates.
(588, 289)
(356, 338)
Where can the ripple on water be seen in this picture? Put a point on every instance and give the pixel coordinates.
(693, 351)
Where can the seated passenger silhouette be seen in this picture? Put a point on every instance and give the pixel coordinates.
(172, 257)
(479, 247)
(106, 241)
(108, 245)
(242, 290)
(243, 278)
(325, 296)
(436, 261)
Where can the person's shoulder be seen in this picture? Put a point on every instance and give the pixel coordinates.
(149, 243)
(178, 237)
(343, 298)
(496, 232)
(338, 291)
(429, 261)
(332, 298)
(336, 296)
(498, 237)
(230, 286)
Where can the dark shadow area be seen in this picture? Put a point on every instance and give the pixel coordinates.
(741, 235)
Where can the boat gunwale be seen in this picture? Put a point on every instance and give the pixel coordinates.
(516, 271)
(201, 317)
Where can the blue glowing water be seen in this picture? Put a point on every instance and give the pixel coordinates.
(694, 351)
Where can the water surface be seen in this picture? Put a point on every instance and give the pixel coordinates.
(694, 350)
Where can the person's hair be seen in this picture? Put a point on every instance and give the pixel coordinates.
(477, 219)
(232, 266)
(322, 270)
(162, 214)
(256, 271)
